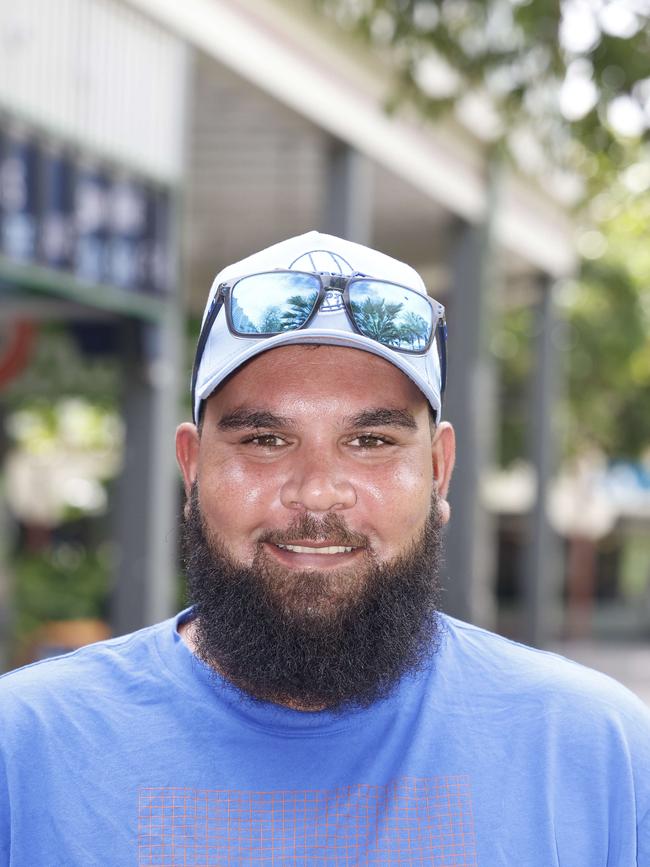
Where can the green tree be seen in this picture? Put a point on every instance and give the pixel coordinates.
(575, 74)
(271, 321)
(378, 319)
(300, 308)
(607, 316)
(564, 90)
(608, 308)
(413, 330)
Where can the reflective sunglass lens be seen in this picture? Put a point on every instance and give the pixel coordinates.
(391, 314)
(271, 303)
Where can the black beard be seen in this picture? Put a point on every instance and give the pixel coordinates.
(313, 640)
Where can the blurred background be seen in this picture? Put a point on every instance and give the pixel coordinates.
(501, 147)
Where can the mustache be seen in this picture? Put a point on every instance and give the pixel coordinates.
(331, 528)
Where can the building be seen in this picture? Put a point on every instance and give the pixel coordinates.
(146, 143)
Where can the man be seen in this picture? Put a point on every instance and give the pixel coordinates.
(313, 706)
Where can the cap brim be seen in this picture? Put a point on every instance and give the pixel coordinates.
(413, 366)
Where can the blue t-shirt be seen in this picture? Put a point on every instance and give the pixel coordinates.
(132, 752)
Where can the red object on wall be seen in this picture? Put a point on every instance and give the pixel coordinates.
(16, 350)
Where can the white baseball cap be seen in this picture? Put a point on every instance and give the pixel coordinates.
(223, 352)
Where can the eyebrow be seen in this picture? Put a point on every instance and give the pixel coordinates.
(382, 416)
(244, 419)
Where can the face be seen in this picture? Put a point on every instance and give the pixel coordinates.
(315, 497)
(318, 433)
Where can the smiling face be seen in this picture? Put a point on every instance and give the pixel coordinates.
(317, 459)
(315, 497)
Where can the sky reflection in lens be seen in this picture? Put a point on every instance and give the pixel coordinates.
(392, 315)
(272, 303)
(275, 302)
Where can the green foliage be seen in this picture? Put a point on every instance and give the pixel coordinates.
(516, 55)
(67, 426)
(65, 582)
(377, 318)
(609, 350)
(271, 321)
(300, 308)
(413, 331)
(520, 57)
(63, 404)
(511, 345)
(607, 325)
(58, 369)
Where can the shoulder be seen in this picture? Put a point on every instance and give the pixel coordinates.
(577, 738)
(96, 669)
(554, 712)
(522, 674)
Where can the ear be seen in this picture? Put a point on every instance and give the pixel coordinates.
(443, 455)
(187, 453)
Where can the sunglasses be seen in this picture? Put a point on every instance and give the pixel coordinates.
(272, 302)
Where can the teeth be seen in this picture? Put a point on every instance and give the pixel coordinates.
(302, 549)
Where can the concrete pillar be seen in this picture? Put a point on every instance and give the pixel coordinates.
(471, 408)
(348, 194)
(7, 533)
(542, 560)
(146, 501)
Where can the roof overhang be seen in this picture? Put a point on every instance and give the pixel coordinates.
(341, 91)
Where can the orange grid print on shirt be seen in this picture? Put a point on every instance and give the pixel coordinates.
(415, 821)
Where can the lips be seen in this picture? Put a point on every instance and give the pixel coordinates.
(320, 554)
(311, 543)
(312, 549)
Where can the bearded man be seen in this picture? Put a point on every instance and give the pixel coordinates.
(313, 706)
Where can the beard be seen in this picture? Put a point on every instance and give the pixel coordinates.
(336, 639)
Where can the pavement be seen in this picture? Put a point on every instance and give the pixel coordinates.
(628, 663)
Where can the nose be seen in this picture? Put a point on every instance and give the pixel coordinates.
(317, 483)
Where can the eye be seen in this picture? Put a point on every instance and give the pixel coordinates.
(265, 440)
(370, 441)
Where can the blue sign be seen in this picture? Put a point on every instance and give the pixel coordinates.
(128, 225)
(160, 229)
(57, 218)
(18, 198)
(91, 212)
(100, 224)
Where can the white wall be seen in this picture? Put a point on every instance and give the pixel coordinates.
(99, 74)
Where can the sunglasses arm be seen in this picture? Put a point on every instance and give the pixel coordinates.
(213, 312)
(441, 341)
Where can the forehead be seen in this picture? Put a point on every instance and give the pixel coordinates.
(318, 374)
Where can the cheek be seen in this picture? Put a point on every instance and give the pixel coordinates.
(231, 493)
(402, 494)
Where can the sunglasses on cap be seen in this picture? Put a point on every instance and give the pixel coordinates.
(273, 302)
